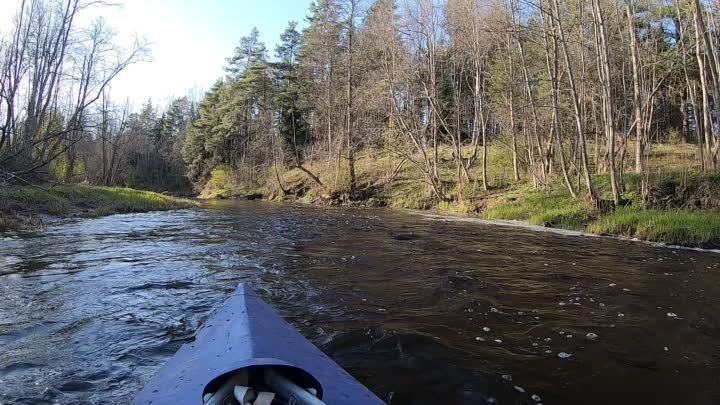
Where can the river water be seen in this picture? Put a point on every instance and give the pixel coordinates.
(422, 310)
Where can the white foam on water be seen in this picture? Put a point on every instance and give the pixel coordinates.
(9, 260)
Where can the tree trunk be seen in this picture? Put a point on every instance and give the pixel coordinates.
(349, 123)
(707, 118)
(511, 105)
(640, 136)
(603, 55)
(551, 62)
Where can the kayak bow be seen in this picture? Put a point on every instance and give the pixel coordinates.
(246, 347)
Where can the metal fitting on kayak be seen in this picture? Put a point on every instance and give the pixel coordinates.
(226, 391)
(269, 384)
(288, 390)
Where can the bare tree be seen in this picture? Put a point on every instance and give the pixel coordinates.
(575, 97)
(606, 96)
(51, 74)
(469, 22)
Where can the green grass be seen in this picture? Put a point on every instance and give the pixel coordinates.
(223, 183)
(694, 228)
(554, 207)
(28, 199)
(23, 207)
(408, 194)
(220, 184)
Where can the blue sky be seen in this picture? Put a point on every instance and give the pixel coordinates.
(190, 39)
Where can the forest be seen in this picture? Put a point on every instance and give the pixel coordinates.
(58, 121)
(468, 104)
(570, 89)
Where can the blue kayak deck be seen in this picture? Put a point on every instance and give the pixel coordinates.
(246, 332)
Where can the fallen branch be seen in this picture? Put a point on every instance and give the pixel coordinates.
(9, 175)
(311, 175)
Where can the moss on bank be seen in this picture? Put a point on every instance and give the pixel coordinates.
(28, 207)
(681, 207)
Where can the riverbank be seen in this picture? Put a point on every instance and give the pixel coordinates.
(680, 209)
(25, 207)
(682, 206)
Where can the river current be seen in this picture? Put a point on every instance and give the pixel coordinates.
(421, 309)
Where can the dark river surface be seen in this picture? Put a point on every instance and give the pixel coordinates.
(422, 310)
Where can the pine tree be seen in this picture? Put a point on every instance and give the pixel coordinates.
(250, 50)
(292, 125)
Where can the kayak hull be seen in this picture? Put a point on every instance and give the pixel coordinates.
(247, 332)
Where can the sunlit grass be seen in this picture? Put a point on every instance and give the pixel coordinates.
(554, 207)
(24, 206)
(695, 228)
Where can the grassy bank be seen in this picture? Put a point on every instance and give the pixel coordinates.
(683, 206)
(692, 228)
(24, 207)
(679, 210)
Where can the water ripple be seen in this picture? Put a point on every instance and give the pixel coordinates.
(422, 311)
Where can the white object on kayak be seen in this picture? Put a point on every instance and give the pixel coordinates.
(243, 394)
(264, 398)
(227, 389)
(288, 390)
